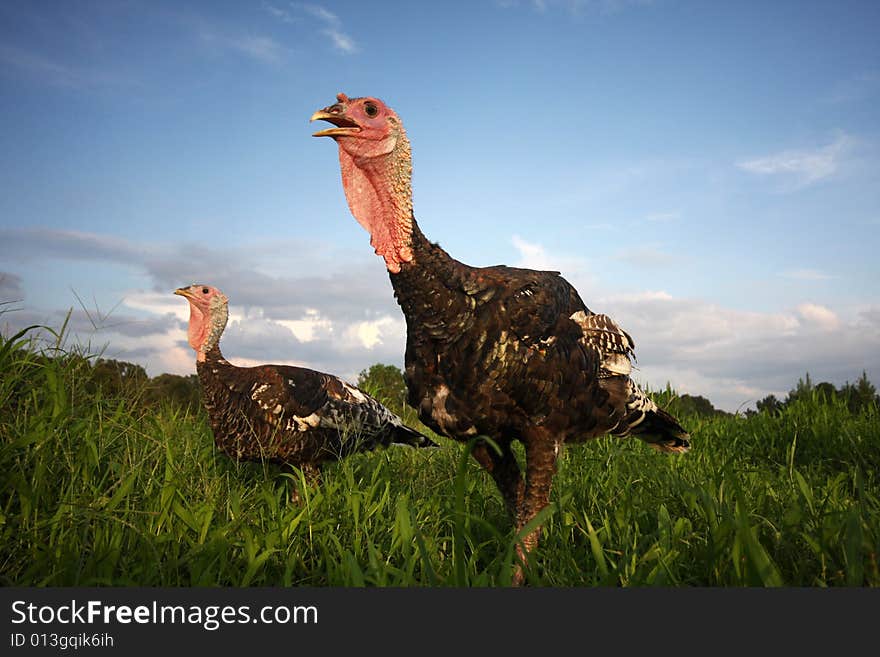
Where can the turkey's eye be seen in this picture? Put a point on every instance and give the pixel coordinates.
(205, 290)
(371, 110)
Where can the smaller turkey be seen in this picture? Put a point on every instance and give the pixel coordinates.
(281, 413)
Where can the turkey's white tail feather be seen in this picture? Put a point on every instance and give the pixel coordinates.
(617, 364)
(615, 346)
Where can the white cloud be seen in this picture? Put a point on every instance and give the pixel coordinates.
(576, 7)
(240, 361)
(736, 357)
(372, 333)
(806, 275)
(614, 6)
(646, 255)
(819, 316)
(638, 297)
(341, 41)
(309, 327)
(531, 255)
(261, 48)
(332, 27)
(281, 14)
(321, 13)
(535, 256)
(158, 303)
(804, 166)
(163, 351)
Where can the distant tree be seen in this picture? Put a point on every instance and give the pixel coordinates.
(697, 404)
(694, 405)
(116, 377)
(803, 390)
(825, 392)
(866, 391)
(857, 396)
(861, 395)
(386, 383)
(182, 391)
(769, 405)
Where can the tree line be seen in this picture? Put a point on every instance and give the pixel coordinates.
(105, 378)
(857, 396)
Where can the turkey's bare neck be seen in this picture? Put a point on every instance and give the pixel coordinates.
(431, 284)
(379, 195)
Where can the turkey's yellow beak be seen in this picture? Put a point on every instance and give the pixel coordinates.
(335, 115)
(184, 292)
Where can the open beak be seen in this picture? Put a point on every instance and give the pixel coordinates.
(335, 115)
(184, 292)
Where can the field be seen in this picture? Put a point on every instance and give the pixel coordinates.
(100, 489)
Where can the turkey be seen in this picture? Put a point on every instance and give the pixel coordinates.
(491, 352)
(281, 413)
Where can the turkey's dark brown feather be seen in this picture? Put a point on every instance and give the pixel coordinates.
(495, 350)
(294, 415)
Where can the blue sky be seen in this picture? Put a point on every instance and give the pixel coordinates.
(707, 173)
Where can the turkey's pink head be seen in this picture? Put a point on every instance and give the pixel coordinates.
(376, 163)
(365, 127)
(208, 312)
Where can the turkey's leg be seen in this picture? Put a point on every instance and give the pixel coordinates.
(312, 475)
(505, 471)
(541, 453)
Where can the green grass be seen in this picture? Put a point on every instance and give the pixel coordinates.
(102, 490)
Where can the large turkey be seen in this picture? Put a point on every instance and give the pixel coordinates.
(498, 352)
(280, 413)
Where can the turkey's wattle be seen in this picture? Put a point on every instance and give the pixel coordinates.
(501, 352)
(376, 173)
